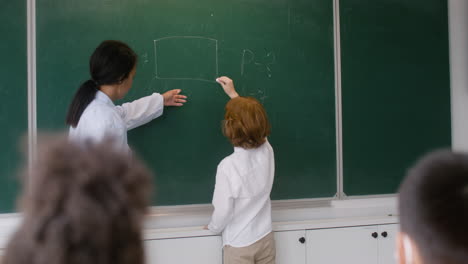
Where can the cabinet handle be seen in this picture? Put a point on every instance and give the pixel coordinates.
(302, 240)
(375, 235)
(384, 234)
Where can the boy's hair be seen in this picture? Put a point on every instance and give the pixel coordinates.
(83, 204)
(433, 207)
(246, 123)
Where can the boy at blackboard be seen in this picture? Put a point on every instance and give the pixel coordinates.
(433, 207)
(241, 199)
(85, 203)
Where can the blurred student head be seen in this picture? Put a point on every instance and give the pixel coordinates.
(433, 208)
(82, 204)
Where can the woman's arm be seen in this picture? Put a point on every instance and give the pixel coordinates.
(145, 109)
(142, 110)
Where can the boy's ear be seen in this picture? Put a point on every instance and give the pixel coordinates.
(399, 250)
(405, 249)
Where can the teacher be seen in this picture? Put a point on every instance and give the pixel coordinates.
(92, 114)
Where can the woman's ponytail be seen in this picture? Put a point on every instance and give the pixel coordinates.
(81, 100)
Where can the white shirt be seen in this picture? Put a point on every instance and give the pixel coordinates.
(241, 199)
(102, 118)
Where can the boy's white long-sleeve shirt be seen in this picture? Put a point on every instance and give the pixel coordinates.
(241, 199)
(102, 118)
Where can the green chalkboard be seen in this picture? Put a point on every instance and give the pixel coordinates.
(280, 52)
(13, 91)
(395, 89)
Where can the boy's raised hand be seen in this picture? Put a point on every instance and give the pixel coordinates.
(228, 86)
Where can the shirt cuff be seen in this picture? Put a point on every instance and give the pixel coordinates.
(162, 102)
(213, 229)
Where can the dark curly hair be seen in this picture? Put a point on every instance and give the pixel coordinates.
(83, 204)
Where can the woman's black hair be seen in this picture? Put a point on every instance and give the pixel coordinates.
(111, 63)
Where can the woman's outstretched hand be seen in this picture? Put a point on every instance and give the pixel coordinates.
(173, 98)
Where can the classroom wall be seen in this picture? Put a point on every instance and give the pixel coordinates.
(458, 30)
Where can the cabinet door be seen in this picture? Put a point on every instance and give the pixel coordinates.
(206, 250)
(290, 247)
(350, 245)
(387, 247)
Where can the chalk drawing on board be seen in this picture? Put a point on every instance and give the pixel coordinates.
(186, 58)
(262, 64)
(246, 60)
(272, 60)
(248, 57)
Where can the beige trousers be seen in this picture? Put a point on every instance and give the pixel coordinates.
(260, 252)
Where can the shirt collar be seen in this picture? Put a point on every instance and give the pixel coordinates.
(102, 97)
(239, 149)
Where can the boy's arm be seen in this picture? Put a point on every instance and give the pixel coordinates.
(223, 203)
(228, 86)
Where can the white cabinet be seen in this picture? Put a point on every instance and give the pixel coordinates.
(290, 247)
(373, 244)
(206, 250)
(352, 245)
(387, 243)
(342, 245)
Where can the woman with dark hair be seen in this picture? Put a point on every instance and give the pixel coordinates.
(92, 113)
(83, 203)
